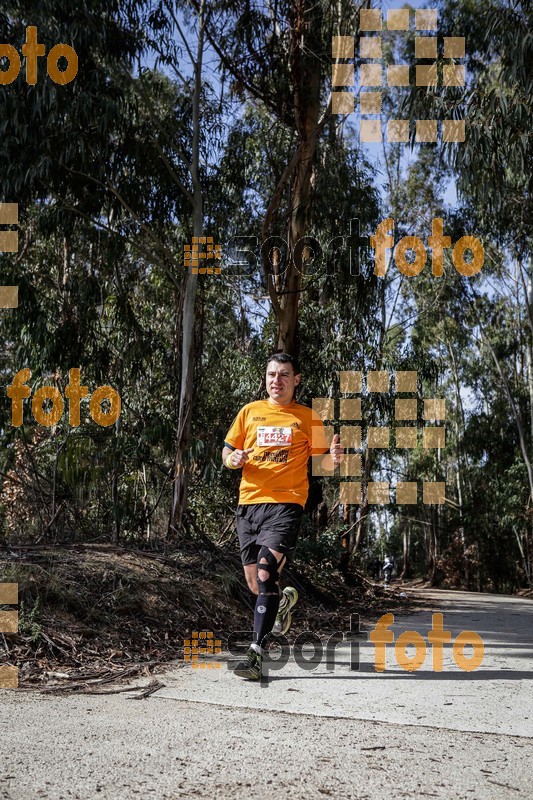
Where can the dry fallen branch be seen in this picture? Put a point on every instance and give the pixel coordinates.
(153, 687)
(81, 683)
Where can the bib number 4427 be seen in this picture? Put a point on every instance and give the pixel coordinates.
(267, 436)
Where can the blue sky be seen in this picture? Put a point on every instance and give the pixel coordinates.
(374, 151)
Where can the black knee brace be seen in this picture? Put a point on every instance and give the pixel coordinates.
(270, 586)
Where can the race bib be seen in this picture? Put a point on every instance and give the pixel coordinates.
(267, 436)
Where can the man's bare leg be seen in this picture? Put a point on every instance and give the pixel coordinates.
(263, 583)
(250, 571)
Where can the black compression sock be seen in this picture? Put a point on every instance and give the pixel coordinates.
(266, 608)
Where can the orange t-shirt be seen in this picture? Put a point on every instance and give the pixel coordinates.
(283, 438)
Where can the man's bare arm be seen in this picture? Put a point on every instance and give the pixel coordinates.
(335, 455)
(237, 458)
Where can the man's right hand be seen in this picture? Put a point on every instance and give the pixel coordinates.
(240, 457)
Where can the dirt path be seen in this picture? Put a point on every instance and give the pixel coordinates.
(341, 732)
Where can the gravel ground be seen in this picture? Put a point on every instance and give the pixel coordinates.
(308, 735)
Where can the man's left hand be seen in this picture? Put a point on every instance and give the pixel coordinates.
(336, 451)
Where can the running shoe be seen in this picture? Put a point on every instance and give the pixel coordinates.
(251, 666)
(289, 598)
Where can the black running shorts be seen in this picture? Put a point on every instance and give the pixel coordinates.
(273, 525)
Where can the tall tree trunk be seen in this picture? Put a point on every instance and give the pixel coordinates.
(461, 461)
(433, 548)
(180, 476)
(360, 529)
(115, 502)
(406, 568)
(529, 340)
(299, 176)
(367, 472)
(525, 560)
(301, 196)
(516, 416)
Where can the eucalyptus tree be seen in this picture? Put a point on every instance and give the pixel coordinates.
(494, 186)
(118, 151)
(279, 56)
(493, 167)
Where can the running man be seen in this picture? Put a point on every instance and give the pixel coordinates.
(271, 441)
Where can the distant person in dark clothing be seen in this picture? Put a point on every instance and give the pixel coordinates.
(375, 568)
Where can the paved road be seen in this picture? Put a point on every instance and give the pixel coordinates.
(342, 733)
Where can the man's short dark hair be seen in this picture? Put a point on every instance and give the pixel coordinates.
(285, 358)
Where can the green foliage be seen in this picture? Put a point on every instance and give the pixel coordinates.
(28, 625)
(101, 170)
(229, 585)
(319, 550)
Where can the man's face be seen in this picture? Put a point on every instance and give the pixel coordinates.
(280, 382)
